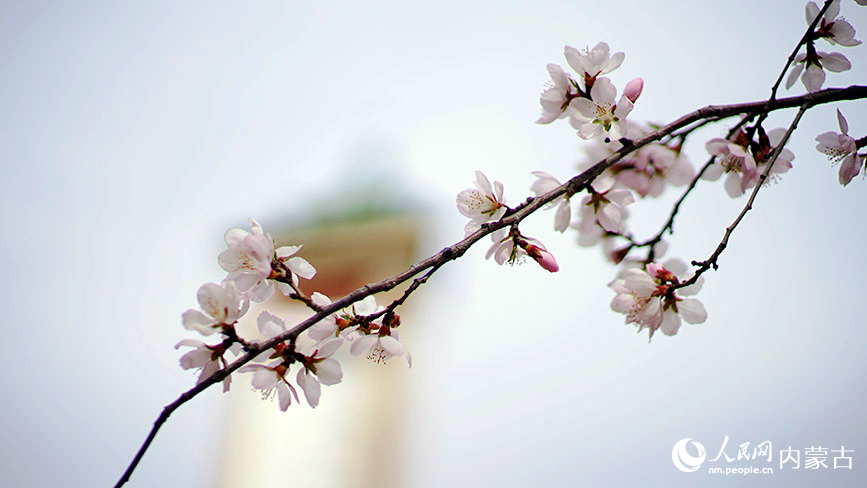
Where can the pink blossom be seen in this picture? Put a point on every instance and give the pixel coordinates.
(633, 89)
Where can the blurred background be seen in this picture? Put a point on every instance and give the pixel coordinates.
(132, 135)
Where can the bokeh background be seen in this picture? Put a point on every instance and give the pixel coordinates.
(132, 135)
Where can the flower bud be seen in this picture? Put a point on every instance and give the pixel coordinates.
(633, 89)
(544, 258)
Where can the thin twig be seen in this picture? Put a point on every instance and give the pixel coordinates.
(712, 260)
(669, 224)
(804, 39)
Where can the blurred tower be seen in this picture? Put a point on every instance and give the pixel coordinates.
(355, 436)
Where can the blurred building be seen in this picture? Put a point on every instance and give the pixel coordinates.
(354, 437)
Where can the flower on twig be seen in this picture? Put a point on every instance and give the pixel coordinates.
(482, 203)
(222, 304)
(842, 148)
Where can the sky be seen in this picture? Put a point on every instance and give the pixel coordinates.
(132, 135)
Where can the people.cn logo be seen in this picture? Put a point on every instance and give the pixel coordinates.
(683, 460)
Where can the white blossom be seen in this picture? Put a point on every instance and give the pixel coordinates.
(299, 267)
(222, 304)
(555, 100)
(600, 116)
(318, 368)
(842, 148)
(648, 300)
(604, 206)
(269, 378)
(593, 62)
(813, 65)
(208, 359)
(482, 203)
(380, 346)
(546, 183)
(832, 29)
(248, 260)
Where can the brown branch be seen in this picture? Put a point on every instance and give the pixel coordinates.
(515, 216)
(712, 260)
(804, 40)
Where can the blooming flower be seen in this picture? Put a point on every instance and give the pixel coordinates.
(269, 378)
(319, 368)
(248, 259)
(546, 183)
(223, 306)
(646, 171)
(380, 346)
(745, 166)
(555, 100)
(592, 63)
(605, 206)
(251, 258)
(648, 300)
(327, 326)
(208, 359)
(815, 64)
(733, 158)
(842, 148)
(600, 114)
(832, 29)
(298, 267)
(482, 203)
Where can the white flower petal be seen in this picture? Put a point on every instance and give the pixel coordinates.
(362, 344)
(301, 267)
(286, 251)
(392, 345)
(197, 321)
(329, 372)
(312, 390)
(692, 311)
(270, 325)
(670, 322)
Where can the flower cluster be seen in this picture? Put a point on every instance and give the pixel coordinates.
(651, 298)
(811, 65)
(648, 170)
(744, 159)
(590, 100)
(255, 269)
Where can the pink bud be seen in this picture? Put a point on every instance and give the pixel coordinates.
(544, 258)
(633, 89)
